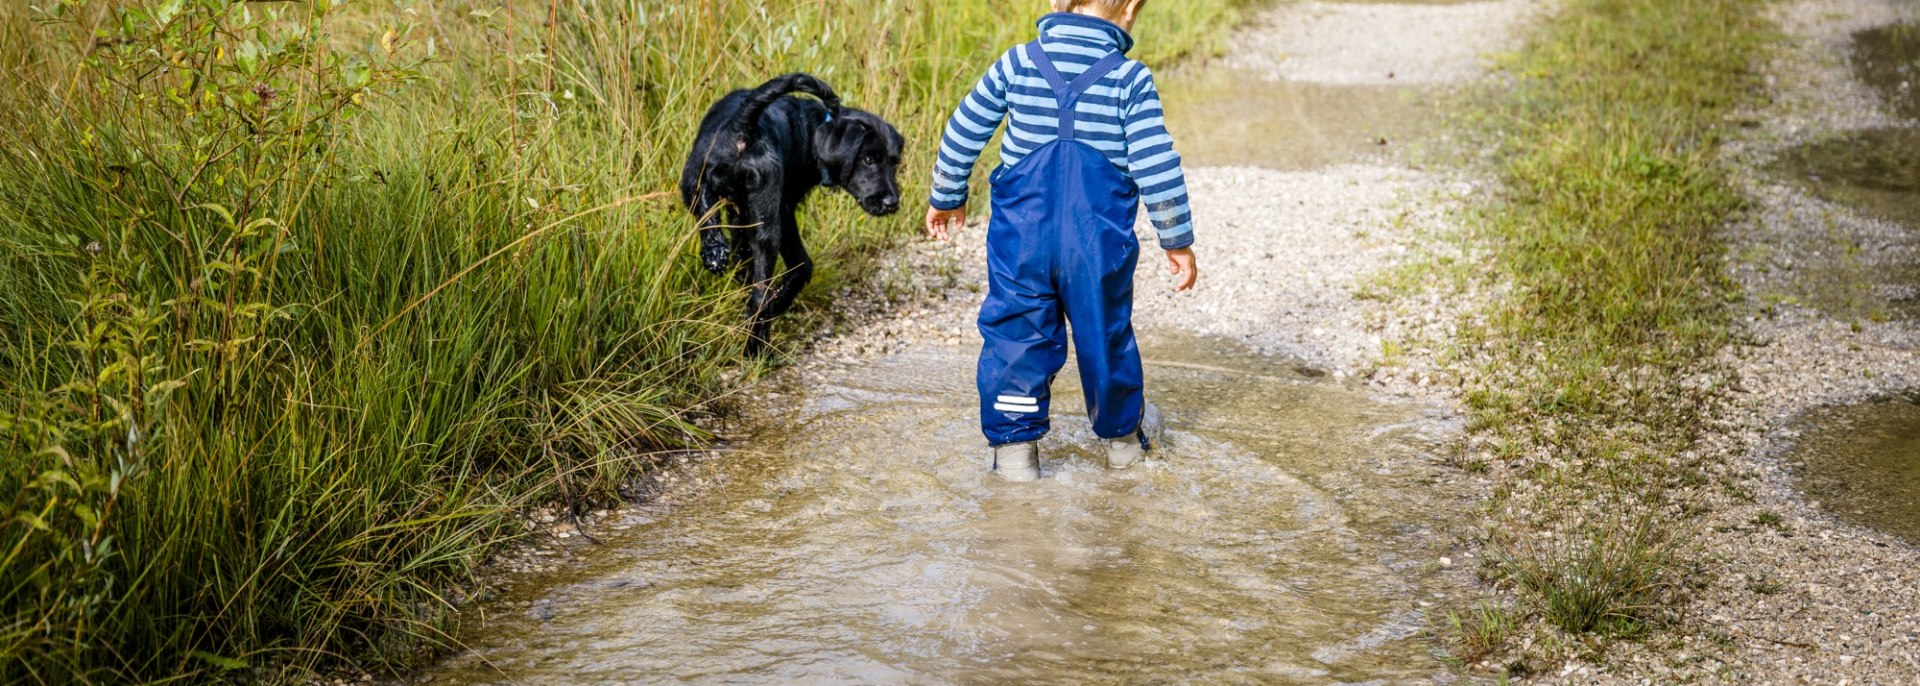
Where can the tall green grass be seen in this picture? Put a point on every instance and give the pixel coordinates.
(299, 302)
(1608, 234)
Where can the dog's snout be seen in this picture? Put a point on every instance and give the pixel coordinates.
(880, 205)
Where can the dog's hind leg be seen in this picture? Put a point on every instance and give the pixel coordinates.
(799, 265)
(760, 298)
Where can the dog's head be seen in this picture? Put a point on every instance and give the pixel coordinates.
(861, 153)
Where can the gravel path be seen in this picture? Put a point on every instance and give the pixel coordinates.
(1377, 43)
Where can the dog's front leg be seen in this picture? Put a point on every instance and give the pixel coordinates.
(760, 294)
(799, 264)
(760, 301)
(714, 247)
(742, 251)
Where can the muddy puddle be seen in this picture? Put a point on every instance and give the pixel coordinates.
(1284, 537)
(1225, 117)
(1876, 170)
(1854, 275)
(1888, 59)
(1862, 463)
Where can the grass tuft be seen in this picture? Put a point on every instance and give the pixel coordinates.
(1612, 580)
(1478, 632)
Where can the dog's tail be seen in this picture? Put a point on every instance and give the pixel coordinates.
(746, 122)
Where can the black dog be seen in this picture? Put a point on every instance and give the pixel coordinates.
(758, 155)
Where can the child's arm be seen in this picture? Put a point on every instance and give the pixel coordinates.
(1155, 166)
(968, 133)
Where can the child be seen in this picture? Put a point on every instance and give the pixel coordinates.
(1087, 144)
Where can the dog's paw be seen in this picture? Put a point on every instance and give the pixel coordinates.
(716, 258)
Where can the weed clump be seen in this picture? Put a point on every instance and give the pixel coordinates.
(1613, 580)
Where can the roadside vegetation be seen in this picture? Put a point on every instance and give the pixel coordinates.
(300, 302)
(1593, 376)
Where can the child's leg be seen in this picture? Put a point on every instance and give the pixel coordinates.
(1026, 344)
(1099, 303)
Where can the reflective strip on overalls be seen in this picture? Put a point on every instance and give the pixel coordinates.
(1060, 249)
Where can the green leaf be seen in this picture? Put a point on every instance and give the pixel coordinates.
(160, 390)
(55, 477)
(33, 521)
(86, 515)
(216, 209)
(247, 57)
(226, 663)
(167, 11)
(356, 75)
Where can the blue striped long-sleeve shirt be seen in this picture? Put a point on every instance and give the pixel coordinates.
(1120, 116)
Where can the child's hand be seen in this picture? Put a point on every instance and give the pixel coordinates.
(938, 221)
(1184, 271)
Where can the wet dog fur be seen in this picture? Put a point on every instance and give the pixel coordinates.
(758, 155)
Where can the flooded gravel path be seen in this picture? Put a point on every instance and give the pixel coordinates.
(1296, 529)
(1284, 535)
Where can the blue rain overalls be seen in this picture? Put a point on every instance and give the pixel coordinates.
(1060, 248)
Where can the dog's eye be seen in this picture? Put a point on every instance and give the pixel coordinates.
(868, 160)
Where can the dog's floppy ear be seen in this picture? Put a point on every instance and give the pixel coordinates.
(837, 145)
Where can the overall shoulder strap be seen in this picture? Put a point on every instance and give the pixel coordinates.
(1038, 56)
(1068, 94)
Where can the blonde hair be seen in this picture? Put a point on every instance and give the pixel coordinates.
(1109, 6)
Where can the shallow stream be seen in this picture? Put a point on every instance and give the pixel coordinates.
(1286, 535)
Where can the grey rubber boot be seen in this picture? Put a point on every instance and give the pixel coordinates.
(1124, 452)
(1154, 425)
(1017, 462)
